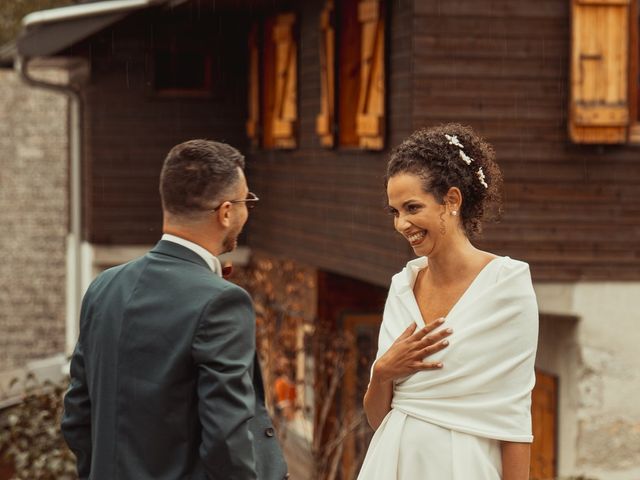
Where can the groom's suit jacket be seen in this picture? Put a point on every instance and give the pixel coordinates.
(165, 383)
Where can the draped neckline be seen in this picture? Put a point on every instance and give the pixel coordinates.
(411, 302)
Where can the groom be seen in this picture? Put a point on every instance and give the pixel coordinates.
(165, 382)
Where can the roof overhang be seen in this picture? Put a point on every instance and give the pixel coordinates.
(50, 31)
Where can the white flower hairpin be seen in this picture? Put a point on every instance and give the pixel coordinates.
(453, 140)
(481, 177)
(465, 158)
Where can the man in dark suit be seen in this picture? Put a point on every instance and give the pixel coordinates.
(165, 383)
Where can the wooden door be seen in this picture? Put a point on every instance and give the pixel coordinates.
(544, 411)
(362, 332)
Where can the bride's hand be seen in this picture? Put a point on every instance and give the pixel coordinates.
(406, 355)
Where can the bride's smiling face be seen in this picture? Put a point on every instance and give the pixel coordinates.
(417, 215)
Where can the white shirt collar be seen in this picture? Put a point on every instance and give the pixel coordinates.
(207, 256)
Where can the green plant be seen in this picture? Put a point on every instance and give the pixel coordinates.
(30, 437)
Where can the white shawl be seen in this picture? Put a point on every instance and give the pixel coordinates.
(484, 387)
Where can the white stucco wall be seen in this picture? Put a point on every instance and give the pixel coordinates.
(597, 359)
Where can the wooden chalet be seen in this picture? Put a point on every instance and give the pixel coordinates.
(317, 92)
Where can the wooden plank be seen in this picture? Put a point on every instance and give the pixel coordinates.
(544, 413)
(253, 90)
(605, 115)
(435, 65)
(285, 84)
(348, 72)
(500, 27)
(325, 119)
(526, 10)
(268, 83)
(369, 125)
(554, 48)
(371, 98)
(603, 2)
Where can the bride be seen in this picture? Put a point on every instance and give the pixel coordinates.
(450, 390)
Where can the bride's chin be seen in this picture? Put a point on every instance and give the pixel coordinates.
(424, 249)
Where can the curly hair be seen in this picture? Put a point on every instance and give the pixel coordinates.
(428, 154)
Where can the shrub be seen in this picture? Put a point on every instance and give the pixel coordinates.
(30, 437)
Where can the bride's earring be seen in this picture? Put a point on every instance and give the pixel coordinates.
(454, 213)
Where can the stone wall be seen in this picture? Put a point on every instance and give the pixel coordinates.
(34, 218)
(598, 367)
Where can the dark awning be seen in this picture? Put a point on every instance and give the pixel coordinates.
(50, 31)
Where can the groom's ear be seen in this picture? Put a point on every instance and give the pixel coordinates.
(224, 214)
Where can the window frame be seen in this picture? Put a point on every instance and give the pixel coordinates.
(633, 134)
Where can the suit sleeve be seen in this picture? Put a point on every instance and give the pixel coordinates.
(223, 350)
(76, 418)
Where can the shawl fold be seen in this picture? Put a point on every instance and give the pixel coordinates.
(484, 387)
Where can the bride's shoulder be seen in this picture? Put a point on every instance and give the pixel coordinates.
(514, 270)
(407, 276)
(511, 264)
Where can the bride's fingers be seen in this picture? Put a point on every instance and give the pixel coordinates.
(428, 328)
(435, 337)
(408, 331)
(435, 324)
(431, 349)
(428, 366)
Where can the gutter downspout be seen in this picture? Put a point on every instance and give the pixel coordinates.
(74, 254)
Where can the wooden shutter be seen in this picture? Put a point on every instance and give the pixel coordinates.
(370, 118)
(325, 119)
(599, 110)
(285, 108)
(253, 87)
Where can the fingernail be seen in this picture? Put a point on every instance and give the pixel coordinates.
(445, 342)
(439, 365)
(449, 330)
(441, 320)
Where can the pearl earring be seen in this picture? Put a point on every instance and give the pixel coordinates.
(454, 213)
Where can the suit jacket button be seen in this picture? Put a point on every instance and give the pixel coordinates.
(286, 476)
(269, 432)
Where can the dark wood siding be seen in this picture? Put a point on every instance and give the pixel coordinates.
(324, 207)
(129, 128)
(572, 212)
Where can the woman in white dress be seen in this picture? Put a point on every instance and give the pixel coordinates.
(450, 390)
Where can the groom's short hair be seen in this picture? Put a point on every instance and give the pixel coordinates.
(196, 175)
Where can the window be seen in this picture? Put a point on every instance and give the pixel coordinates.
(360, 74)
(183, 60)
(273, 104)
(604, 72)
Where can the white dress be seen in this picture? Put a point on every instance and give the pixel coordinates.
(447, 424)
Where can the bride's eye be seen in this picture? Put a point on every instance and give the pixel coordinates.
(391, 211)
(413, 208)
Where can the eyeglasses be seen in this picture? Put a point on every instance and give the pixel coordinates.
(251, 201)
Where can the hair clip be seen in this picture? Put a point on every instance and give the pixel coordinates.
(465, 158)
(453, 140)
(481, 177)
